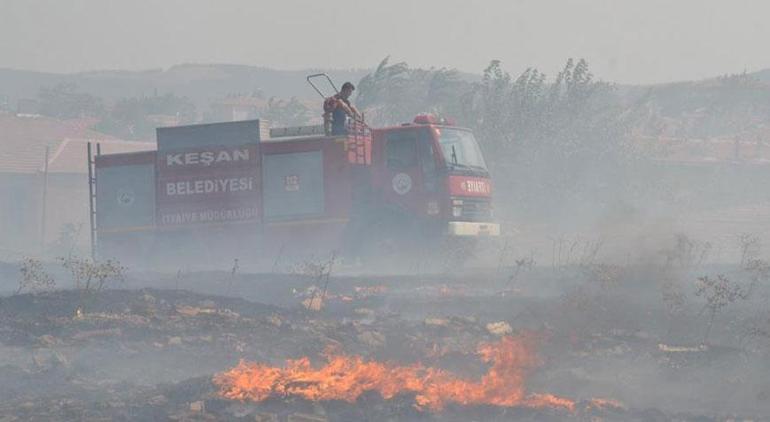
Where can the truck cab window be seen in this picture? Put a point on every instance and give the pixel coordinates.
(401, 150)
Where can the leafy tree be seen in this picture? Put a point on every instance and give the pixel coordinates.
(395, 93)
(555, 141)
(64, 102)
(131, 117)
(286, 113)
(377, 90)
(550, 140)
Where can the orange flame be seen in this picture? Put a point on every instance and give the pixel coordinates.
(347, 377)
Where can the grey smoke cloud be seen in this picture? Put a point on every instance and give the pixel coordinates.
(638, 41)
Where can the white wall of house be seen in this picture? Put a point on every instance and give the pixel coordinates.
(21, 213)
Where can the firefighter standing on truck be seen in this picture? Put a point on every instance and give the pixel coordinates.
(337, 109)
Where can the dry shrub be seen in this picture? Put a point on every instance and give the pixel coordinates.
(566, 252)
(320, 273)
(34, 278)
(718, 292)
(750, 247)
(607, 277)
(91, 277)
(686, 252)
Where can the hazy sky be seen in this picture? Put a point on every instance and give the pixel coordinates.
(623, 40)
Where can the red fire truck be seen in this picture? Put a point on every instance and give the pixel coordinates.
(215, 192)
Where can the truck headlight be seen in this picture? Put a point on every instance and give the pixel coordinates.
(457, 207)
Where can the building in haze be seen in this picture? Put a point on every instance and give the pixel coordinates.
(31, 221)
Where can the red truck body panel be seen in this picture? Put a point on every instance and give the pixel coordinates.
(321, 229)
(211, 184)
(232, 192)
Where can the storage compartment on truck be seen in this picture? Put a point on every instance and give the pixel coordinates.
(293, 184)
(125, 193)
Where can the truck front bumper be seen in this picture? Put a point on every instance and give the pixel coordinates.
(467, 228)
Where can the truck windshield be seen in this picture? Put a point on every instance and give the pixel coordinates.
(460, 149)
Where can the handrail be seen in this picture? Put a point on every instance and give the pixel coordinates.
(358, 143)
(310, 78)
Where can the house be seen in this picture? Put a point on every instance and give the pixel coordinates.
(45, 203)
(233, 109)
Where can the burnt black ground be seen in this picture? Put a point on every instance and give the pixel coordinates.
(148, 347)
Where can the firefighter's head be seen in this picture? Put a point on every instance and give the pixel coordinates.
(347, 90)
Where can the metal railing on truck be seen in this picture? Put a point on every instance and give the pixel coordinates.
(359, 139)
(359, 143)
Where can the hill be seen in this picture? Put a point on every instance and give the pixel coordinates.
(199, 82)
(715, 107)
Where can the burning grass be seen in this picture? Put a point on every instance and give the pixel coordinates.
(346, 378)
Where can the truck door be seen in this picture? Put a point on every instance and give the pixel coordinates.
(403, 183)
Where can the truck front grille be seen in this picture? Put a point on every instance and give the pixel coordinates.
(476, 210)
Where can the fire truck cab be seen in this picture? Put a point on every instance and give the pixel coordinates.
(434, 173)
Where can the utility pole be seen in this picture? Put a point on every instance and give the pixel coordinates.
(92, 195)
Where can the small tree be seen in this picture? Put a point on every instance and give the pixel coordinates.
(758, 271)
(91, 277)
(522, 264)
(750, 247)
(34, 278)
(718, 292)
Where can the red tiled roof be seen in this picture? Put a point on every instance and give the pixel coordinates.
(23, 141)
(72, 153)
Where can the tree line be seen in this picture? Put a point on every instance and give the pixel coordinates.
(546, 140)
(137, 117)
